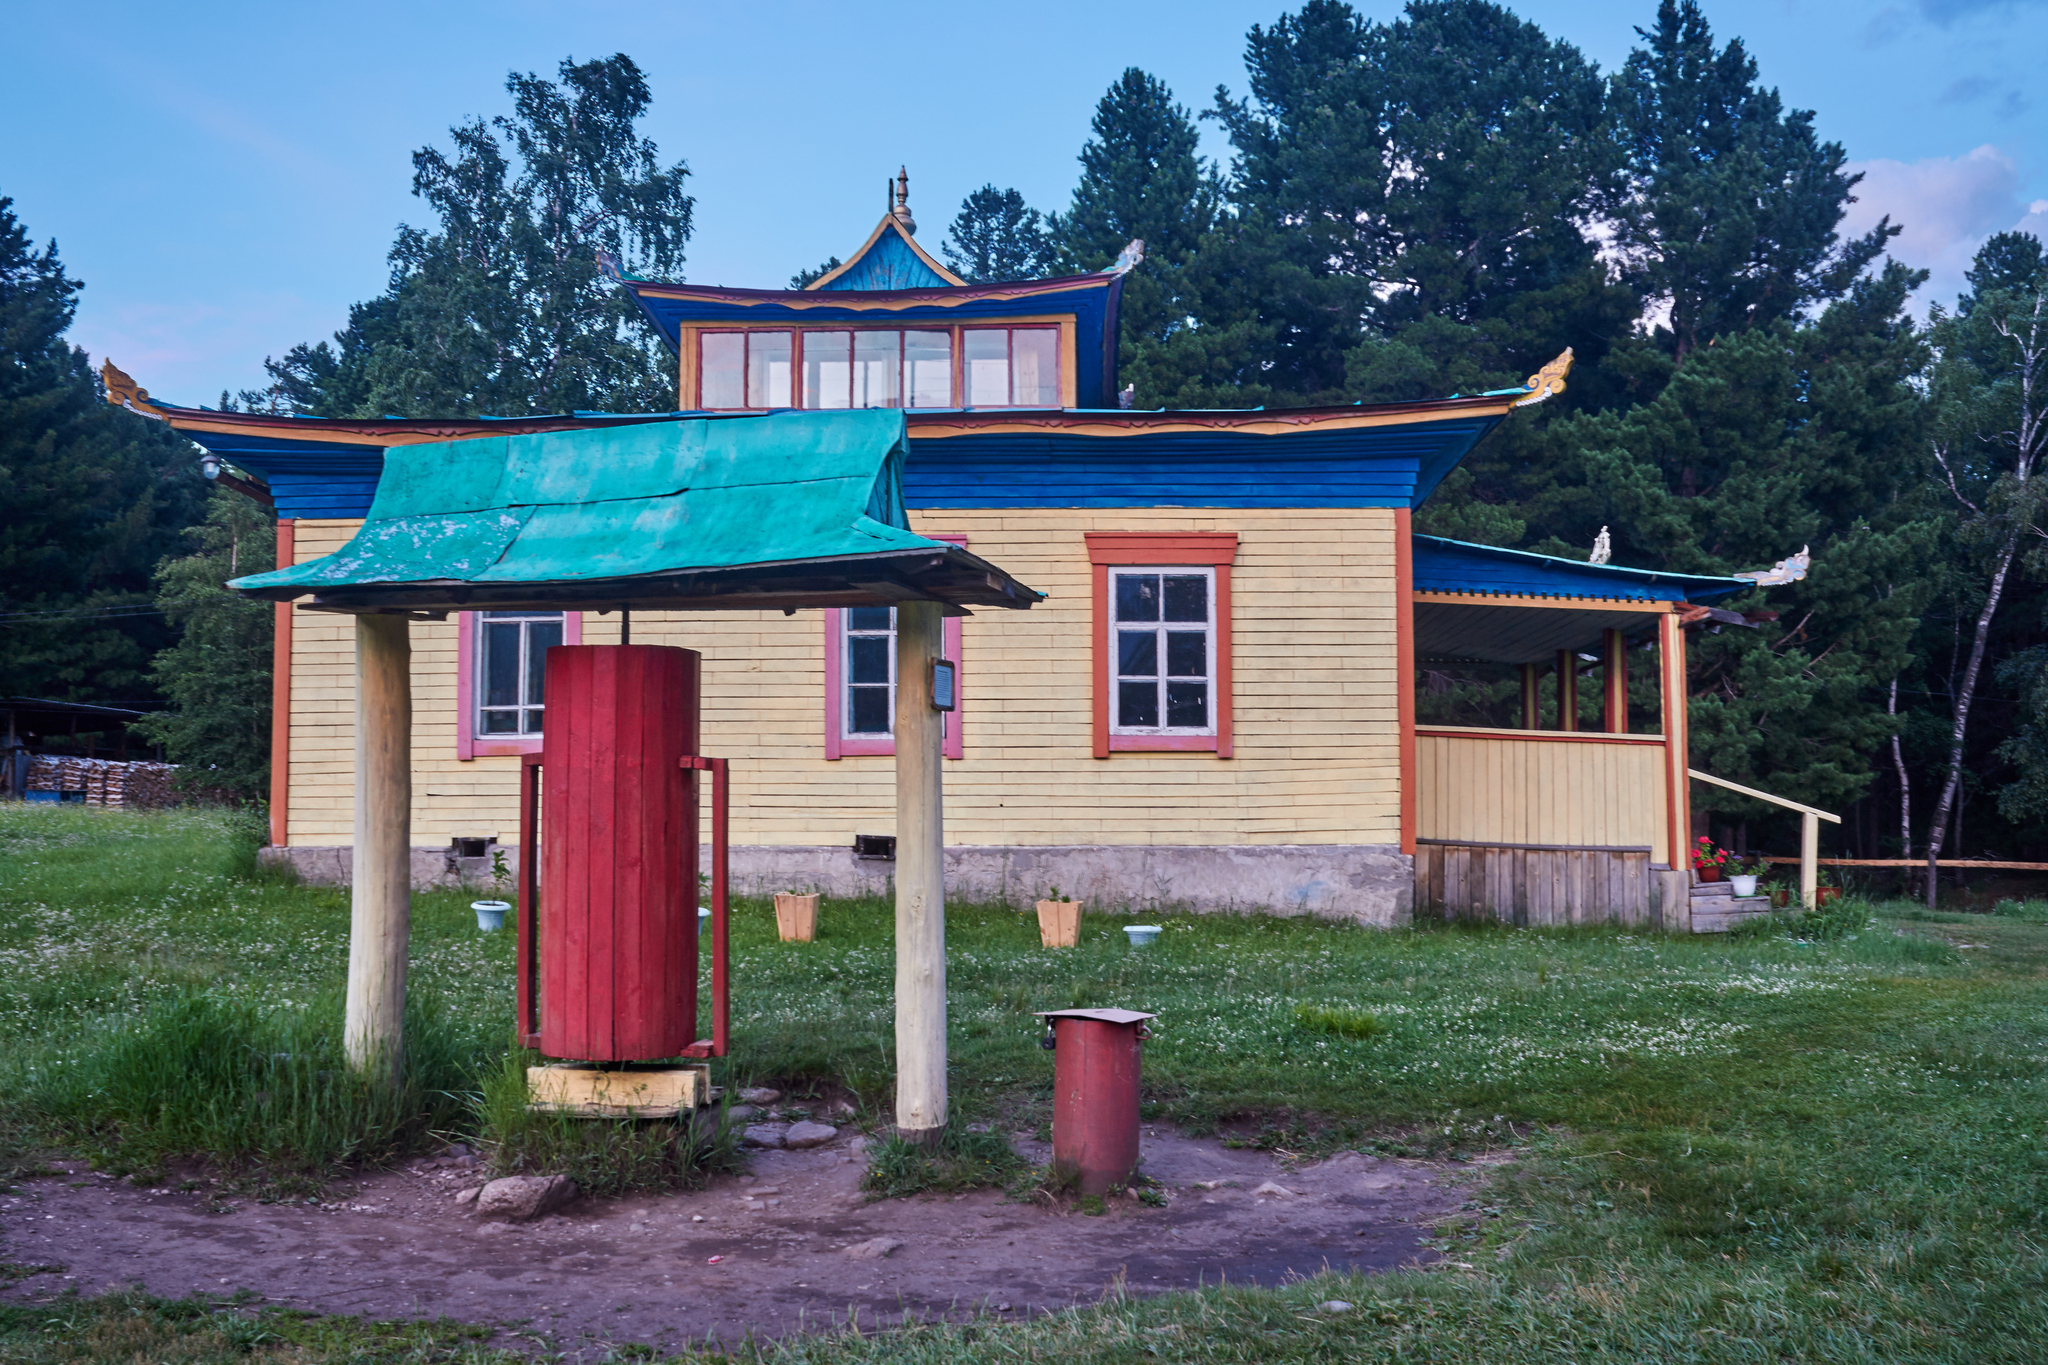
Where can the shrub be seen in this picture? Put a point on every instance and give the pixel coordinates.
(1345, 1023)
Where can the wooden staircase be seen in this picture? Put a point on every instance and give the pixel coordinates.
(1716, 908)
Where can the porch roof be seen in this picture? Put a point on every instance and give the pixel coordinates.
(1511, 606)
(786, 510)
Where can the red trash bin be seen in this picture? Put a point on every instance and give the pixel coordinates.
(1095, 1095)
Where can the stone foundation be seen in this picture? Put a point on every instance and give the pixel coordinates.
(1369, 884)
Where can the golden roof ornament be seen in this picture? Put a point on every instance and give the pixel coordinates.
(124, 392)
(899, 207)
(1546, 381)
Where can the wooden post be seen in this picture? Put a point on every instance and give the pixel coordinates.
(920, 880)
(1614, 682)
(1677, 759)
(1532, 712)
(380, 914)
(1567, 690)
(1809, 852)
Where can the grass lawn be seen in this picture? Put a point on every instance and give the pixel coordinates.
(1759, 1148)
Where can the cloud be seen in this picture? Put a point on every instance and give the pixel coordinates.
(1946, 207)
(1964, 89)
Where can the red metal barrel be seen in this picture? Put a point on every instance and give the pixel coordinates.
(1095, 1096)
(617, 919)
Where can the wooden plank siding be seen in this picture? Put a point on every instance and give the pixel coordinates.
(1570, 791)
(1315, 708)
(1534, 888)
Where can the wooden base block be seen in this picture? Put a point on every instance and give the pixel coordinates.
(626, 1092)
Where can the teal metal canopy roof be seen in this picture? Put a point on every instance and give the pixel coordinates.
(1443, 565)
(786, 510)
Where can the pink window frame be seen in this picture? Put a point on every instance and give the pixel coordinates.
(468, 743)
(838, 745)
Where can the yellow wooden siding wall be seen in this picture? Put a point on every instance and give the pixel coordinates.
(1315, 719)
(1493, 789)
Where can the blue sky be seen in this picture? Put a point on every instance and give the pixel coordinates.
(227, 177)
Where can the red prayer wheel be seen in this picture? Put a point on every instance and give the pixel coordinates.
(616, 923)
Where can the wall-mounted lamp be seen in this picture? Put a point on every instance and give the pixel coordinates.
(209, 466)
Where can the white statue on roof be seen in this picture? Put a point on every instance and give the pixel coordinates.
(1603, 548)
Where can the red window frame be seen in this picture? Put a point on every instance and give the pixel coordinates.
(840, 745)
(1215, 550)
(468, 743)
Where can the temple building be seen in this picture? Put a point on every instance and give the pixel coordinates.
(1214, 707)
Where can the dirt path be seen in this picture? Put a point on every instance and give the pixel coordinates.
(642, 1268)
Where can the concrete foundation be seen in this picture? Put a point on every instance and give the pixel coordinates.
(1369, 884)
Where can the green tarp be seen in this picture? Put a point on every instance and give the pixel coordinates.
(634, 506)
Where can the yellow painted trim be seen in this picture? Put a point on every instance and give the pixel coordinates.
(852, 299)
(1070, 389)
(688, 359)
(888, 222)
(1477, 599)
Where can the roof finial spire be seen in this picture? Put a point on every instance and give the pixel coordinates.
(900, 210)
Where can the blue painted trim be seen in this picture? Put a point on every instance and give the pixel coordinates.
(1458, 566)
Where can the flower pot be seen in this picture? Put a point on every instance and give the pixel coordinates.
(1059, 923)
(1744, 883)
(1823, 894)
(1708, 873)
(1142, 935)
(490, 915)
(703, 924)
(796, 917)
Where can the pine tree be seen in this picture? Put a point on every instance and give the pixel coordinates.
(217, 677)
(995, 236)
(94, 497)
(1730, 212)
(501, 307)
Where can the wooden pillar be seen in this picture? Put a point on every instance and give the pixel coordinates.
(380, 912)
(1809, 854)
(1614, 682)
(920, 879)
(281, 699)
(1532, 710)
(1671, 697)
(1404, 665)
(1567, 690)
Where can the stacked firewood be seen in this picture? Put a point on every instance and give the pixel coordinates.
(105, 781)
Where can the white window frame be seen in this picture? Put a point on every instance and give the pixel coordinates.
(480, 707)
(1113, 660)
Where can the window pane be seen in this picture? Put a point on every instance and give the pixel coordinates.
(1137, 653)
(767, 369)
(501, 665)
(867, 659)
(1034, 368)
(987, 356)
(1187, 705)
(877, 360)
(725, 370)
(867, 710)
(501, 722)
(1137, 704)
(533, 718)
(827, 371)
(867, 618)
(1137, 597)
(540, 637)
(1187, 597)
(928, 368)
(1187, 653)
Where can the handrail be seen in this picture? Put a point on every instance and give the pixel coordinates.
(1761, 796)
(1809, 830)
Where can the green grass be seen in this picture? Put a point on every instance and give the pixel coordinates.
(1826, 1139)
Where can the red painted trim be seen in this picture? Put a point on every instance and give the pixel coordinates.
(468, 744)
(1098, 657)
(1548, 736)
(837, 745)
(1209, 549)
(1214, 548)
(1671, 695)
(1404, 668)
(526, 998)
(281, 698)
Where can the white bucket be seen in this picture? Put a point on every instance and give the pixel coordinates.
(1141, 935)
